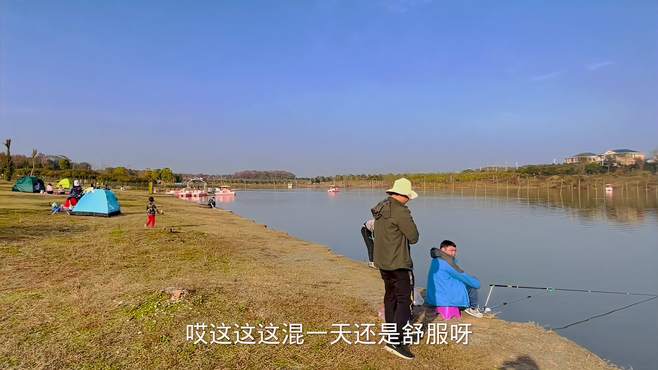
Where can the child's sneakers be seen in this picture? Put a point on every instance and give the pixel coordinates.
(475, 312)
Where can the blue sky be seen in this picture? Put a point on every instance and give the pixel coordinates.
(324, 87)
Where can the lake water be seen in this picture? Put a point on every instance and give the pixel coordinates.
(557, 239)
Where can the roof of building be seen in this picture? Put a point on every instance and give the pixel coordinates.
(624, 151)
(586, 154)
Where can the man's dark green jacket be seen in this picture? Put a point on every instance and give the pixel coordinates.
(394, 231)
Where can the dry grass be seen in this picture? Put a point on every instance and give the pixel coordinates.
(86, 292)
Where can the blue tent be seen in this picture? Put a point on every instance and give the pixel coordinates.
(98, 202)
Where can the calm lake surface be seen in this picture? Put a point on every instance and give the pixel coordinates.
(515, 236)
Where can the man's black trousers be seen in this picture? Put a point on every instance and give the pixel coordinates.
(398, 297)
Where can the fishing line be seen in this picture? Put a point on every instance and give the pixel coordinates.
(506, 304)
(510, 302)
(606, 313)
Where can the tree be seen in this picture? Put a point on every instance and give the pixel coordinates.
(9, 162)
(64, 164)
(120, 174)
(148, 175)
(34, 159)
(167, 175)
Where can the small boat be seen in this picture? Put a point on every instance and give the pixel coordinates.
(185, 193)
(608, 188)
(195, 188)
(224, 191)
(333, 189)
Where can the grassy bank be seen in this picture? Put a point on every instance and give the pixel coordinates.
(87, 292)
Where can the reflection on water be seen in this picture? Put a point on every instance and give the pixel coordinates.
(525, 236)
(623, 205)
(222, 199)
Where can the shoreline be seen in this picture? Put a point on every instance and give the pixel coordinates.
(104, 278)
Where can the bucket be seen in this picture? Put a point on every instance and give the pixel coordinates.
(448, 313)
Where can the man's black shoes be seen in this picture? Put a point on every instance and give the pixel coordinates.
(400, 350)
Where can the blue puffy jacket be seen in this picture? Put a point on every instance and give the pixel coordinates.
(446, 286)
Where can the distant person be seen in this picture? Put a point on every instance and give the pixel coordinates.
(76, 191)
(74, 195)
(396, 230)
(211, 202)
(448, 285)
(151, 211)
(368, 233)
(49, 188)
(90, 189)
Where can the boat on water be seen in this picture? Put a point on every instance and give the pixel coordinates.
(186, 194)
(195, 188)
(224, 191)
(333, 189)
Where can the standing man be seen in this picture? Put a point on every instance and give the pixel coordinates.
(396, 230)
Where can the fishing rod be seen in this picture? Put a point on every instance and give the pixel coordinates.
(551, 289)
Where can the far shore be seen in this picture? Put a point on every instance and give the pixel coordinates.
(97, 293)
(644, 181)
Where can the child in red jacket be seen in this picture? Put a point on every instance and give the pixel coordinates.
(151, 211)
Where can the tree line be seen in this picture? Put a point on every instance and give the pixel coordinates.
(59, 166)
(263, 175)
(510, 174)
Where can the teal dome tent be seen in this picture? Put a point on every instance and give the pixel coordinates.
(99, 202)
(29, 184)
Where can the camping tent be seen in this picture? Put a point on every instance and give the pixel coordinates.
(99, 202)
(65, 183)
(29, 184)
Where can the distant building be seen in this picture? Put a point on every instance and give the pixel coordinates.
(623, 157)
(585, 158)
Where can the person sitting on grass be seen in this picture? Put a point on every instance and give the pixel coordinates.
(76, 191)
(448, 285)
